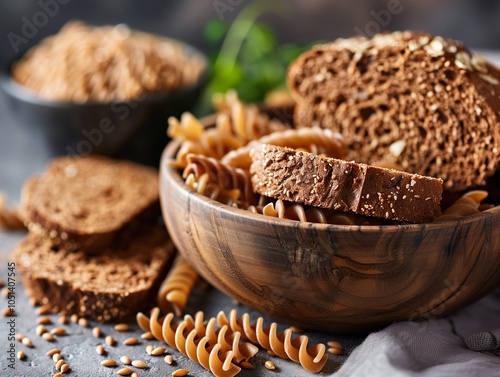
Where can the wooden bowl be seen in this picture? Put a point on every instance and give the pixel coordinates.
(336, 278)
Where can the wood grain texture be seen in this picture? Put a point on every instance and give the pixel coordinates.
(332, 277)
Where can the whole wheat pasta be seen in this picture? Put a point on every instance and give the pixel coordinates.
(247, 121)
(175, 289)
(188, 128)
(224, 176)
(214, 142)
(468, 204)
(219, 363)
(283, 345)
(10, 219)
(211, 190)
(315, 140)
(214, 349)
(216, 175)
(83, 63)
(293, 211)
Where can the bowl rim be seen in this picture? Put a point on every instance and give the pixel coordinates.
(20, 92)
(167, 170)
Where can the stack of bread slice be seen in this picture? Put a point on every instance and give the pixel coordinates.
(95, 246)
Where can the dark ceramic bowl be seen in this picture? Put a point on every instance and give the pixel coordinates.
(134, 129)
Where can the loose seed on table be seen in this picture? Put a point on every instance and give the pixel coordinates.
(169, 359)
(180, 372)
(20, 337)
(110, 340)
(74, 318)
(125, 360)
(63, 319)
(56, 357)
(83, 322)
(122, 327)
(100, 349)
(149, 349)
(44, 309)
(21, 355)
(335, 347)
(158, 351)
(269, 365)
(125, 372)
(96, 331)
(7, 312)
(58, 331)
(53, 351)
(27, 342)
(48, 337)
(139, 364)
(108, 363)
(246, 365)
(44, 321)
(64, 368)
(132, 341)
(147, 336)
(60, 363)
(40, 330)
(57, 375)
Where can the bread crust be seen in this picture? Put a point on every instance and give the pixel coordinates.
(85, 202)
(421, 102)
(111, 286)
(309, 179)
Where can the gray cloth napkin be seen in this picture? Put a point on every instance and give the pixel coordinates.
(484, 341)
(446, 347)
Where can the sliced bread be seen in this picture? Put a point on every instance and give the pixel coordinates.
(83, 202)
(111, 286)
(306, 178)
(421, 102)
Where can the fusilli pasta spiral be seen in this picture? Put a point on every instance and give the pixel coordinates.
(282, 344)
(224, 176)
(214, 348)
(175, 289)
(247, 121)
(315, 140)
(224, 149)
(468, 204)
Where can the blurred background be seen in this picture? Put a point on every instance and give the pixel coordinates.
(250, 55)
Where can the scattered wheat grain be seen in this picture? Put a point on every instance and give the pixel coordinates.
(180, 372)
(108, 363)
(125, 360)
(270, 365)
(140, 364)
(125, 372)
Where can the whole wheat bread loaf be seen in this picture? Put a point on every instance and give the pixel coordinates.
(421, 102)
(82, 202)
(111, 286)
(306, 178)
